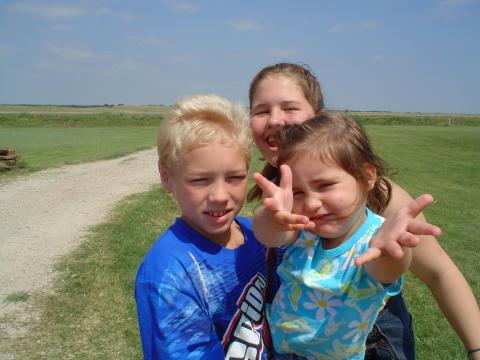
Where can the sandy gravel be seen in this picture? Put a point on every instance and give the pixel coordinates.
(45, 215)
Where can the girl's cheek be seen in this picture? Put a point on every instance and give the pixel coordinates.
(258, 127)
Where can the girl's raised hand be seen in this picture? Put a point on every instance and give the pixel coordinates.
(400, 230)
(279, 201)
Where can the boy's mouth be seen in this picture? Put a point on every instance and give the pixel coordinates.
(217, 213)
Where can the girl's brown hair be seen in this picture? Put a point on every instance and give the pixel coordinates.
(300, 74)
(337, 138)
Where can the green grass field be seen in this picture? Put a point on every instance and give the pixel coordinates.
(91, 312)
(54, 139)
(41, 148)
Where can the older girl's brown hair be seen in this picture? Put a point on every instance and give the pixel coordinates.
(306, 80)
(300, 74)
(337, 138)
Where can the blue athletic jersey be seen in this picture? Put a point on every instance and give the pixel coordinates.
(198, 300)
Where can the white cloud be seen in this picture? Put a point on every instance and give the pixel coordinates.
(102, 11)
(5, 49)
(455, 2)
(49, 11)
(128, 65)
(183, 58)
(452, 9)
(127, 16)
(181, 6)
(241, 24)
(147, 41)
(60, 27)
(363, 24)
(366, 24)
(337, 28)
(44, 64)
(70, 53)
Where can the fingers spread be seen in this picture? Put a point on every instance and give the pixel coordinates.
(408, 240)
(421, 227)
(369, 255)
(267, 186)
(394, 250)
(416, 206)
(285, 177)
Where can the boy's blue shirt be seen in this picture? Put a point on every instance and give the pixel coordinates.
(198, 300)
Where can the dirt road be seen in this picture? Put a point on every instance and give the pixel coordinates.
(45, 215)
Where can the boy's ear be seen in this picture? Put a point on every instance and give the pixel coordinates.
(371, 175)
(165, 178)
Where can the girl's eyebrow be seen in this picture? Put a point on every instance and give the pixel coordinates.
(259, 106)
(324, 179)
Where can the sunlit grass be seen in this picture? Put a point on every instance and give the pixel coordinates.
(91, 313)
(40, 148)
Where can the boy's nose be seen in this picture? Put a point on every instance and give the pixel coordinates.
(218, 193)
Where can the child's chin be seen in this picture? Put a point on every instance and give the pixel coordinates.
(327, 233)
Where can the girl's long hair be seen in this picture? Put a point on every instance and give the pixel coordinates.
(336, 138)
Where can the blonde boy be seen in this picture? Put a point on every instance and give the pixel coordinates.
(200, 288)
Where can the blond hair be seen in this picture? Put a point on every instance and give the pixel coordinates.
(199, 120)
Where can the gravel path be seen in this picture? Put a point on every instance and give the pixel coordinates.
(45, 215)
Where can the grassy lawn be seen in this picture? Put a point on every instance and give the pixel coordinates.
(49, 140)
(445, 162)
(91, 312)
(41, 148)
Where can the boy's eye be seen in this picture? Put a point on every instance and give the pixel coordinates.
(197, 180)
(237, 178)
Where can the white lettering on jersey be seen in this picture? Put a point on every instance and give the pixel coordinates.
(243, 338)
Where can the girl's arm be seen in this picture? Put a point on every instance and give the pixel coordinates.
(388, 269)
(389, 255)
(274, 224)
(447, 284)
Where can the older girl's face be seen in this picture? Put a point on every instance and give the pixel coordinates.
(277, 101)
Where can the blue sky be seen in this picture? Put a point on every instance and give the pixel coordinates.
(369, 55)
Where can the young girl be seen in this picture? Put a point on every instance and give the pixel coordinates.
(333, 281)
(288, 93)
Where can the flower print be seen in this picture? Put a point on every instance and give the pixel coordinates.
(324, 302)
(294, 296)
(285, 347)
(294, 325)
(324, 270)
(279, 301)
(307, 241)
(332, 326)
(360, 327)
(344, 351)
(351, 255)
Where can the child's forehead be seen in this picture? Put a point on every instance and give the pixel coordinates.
(314, 156)
(214, 144)
(214, 153)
